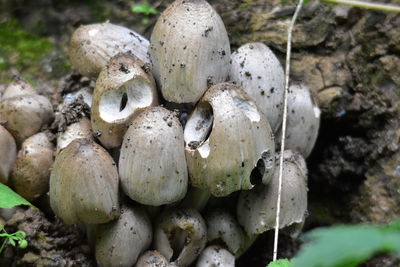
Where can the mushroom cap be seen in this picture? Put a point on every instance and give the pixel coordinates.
(84, 184)
(227, 138)
(122, 90)
(31, 172)
(86, 93)
(120, 242)
(8, 154)
(25, 115)
(153, 258)
(189, 50)
(259, 73)
(80, 129)
(256, 209)
(152, 164)
(92, 46)
(215, 256)
(18, 87)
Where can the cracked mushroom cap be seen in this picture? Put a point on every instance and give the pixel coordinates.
(18, 87)
(25, 115)
(92, 46)
(229, 144)
(84, 184)
(152, 164)
(80, 129)
(213, 256)
(256, 209)
(259, 73)
(303, 120)
(123, 88)
(189, 50)
(8, 154)
(31, 172)
(120, 242)
(180, 235)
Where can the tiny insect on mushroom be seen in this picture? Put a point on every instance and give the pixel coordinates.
(152, 164)
(84, 184)
(8, 154)
(31, 172)
(215, 256)
(258, 72)
(122, 90)
(229, 144)
(189, 50)
(92, 46)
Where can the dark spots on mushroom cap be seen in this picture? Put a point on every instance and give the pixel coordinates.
(123, 68)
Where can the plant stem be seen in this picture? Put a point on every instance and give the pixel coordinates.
(287, 74)
(366, 5)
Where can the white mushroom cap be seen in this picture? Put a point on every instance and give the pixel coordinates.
(153, 258)
(256, 209)
(8, 154)
(84, 184)
(152, 164)
(227, 138)
(18, 87)
(80, 129)
(86, 93)
(189, 50)
(213, 256)
(31, 172)
(122, 90)
(259, 73)
(92, 46)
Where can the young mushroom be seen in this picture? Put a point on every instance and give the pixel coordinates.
(213, 256)
(180, 235)
(229, 144)
(189, 50)
(80, 129)
(92, 46)
(18, 87)
(8, 154)
(84, 184)
(152, 164)
(256, 209)
(123, 88)
(31, 172)
(258, 72)
(153, 258)
(120, 242)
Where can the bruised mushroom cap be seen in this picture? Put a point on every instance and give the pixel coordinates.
(189, 50)
(84, 184)
(228, 142)
(120, 242)
(156, 132)
(31, 172)
(303, 120)
(153, 258)
(122, 89)
(18, 87)
(91, 46)
(258, 72)
(25, 115)
(80, 129)
(8, 154)
(256, 208)
(213, 256)
(182, 234)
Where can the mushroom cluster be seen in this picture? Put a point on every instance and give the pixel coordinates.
(172, 128)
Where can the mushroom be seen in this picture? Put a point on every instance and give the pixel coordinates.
(258, 72)
(180, 235)
(189, 50)
(122, 89)
(213, 256)
(31, 172)
(256, 209)
(229, 144)
(92, 46)
(80, 129)
(120, 242)
(196, 198)
(152, 164)
(8, 154)
(153, 258)
(303, 120)
(25, 115)
(86, 93)
(18, 87)
(84, 184)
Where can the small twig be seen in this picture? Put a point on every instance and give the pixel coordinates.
(366, 5)
(287, 72)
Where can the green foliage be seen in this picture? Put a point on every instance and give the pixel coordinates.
(347, 246)
(280, 263)
(145, 9)
(12, 239)
(9, 199)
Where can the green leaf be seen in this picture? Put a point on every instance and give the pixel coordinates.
(23, 243)
(347, 245)
(280, 263)
(9, 199)
(12, 242)
(144, 8)
(19, 235)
